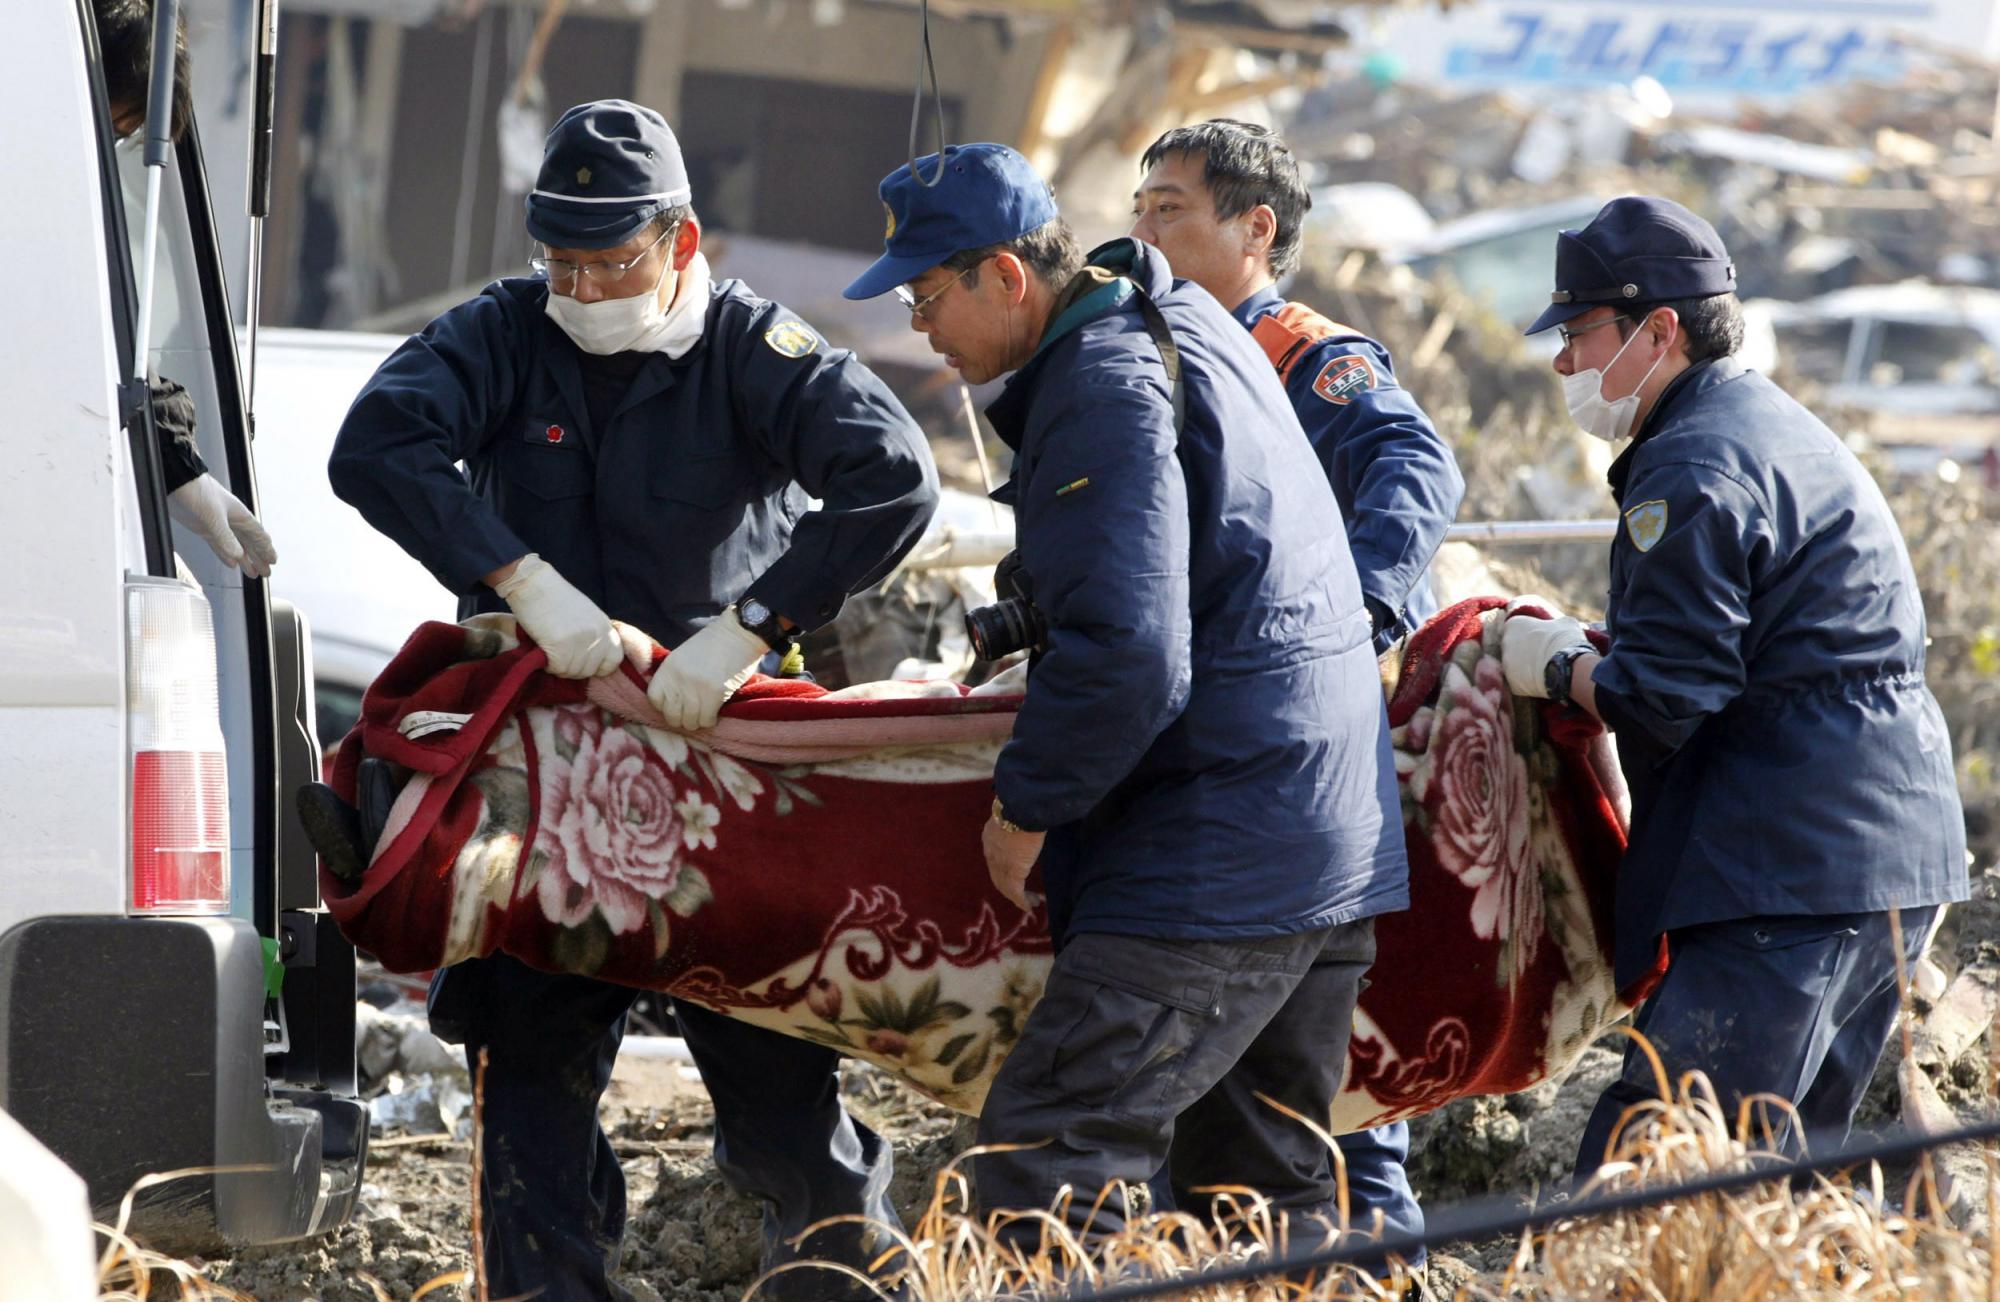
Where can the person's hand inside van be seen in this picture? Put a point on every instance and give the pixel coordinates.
(571, 627)
(236, 535)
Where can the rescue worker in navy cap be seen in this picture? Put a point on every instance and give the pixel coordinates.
(1201, 765)
(1224, 201)
(1792, 784)
(639, 443)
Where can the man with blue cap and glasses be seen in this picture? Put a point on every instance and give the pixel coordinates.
(639, 444)
(1201, 766)
(1793, 795)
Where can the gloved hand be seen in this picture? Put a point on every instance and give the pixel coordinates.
(1528, 643)
(691, 684)
(236, 536)
(568, 625)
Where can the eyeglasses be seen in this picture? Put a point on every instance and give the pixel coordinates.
(916, 306)
(1569, 335)
(562, 273)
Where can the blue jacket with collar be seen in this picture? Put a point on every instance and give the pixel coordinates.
(694, 494)
(1204, 736)
(1766, 675)
(1397, 482)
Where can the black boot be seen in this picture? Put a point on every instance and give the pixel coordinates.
(334, 828)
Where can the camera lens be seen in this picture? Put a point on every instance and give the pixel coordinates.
(1003, 628)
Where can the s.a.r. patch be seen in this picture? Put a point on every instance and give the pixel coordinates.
(791, 339)
(1647, 523)
(1343, 377)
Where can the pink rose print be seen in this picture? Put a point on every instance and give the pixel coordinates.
(824, 999)
(614, 833)
(1480, 830)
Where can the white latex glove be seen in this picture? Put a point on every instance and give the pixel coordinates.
(691, 684)
(235, 535)
(1527, 644)
(568, 625)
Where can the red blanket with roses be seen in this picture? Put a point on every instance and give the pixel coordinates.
(812, 863)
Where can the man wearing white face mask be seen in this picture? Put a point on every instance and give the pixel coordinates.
(640, 443)
(1791, 776)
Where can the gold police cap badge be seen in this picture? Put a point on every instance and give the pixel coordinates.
(583, 176)
(890, 233)
(791, 339)
(1647, 523)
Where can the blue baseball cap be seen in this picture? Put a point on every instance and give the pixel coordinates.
(608, 168)
(986, 194)
(1637, 250)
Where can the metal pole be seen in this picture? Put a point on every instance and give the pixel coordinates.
(262, 126)
(159, 125)
(1527, 532)
(953, 551)
(979, 449)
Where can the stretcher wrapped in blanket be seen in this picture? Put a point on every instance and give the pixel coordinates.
(812, 863)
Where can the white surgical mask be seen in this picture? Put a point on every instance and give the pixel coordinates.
(639, 324)
(1583, 394)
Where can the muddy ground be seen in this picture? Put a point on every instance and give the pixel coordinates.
(689, 1238)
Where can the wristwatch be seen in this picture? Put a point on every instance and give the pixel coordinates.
(763, 621)
(1558, 672)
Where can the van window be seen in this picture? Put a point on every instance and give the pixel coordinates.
(1930, 352)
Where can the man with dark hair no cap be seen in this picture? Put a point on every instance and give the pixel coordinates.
(1793, 795)
(1224, 201)
(1201, 764)
(640, 443)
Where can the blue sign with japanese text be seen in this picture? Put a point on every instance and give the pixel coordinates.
(1694, 48)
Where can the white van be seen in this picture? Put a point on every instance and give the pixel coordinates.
(171, 993)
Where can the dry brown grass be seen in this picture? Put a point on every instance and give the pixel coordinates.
(1841, 1235)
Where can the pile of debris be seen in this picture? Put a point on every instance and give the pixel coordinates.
(1859, 184)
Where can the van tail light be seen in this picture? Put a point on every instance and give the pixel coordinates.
(180, 779)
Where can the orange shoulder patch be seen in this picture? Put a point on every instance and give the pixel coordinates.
(1286, 333)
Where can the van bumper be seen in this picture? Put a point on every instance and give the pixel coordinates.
(135, 1046)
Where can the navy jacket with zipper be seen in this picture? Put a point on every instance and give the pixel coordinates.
(1204, 736)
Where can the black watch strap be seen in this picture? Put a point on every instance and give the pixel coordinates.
(763, 621)
(1556, 676)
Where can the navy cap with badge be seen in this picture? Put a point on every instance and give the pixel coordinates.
(987, 194)
(1637, 250)
(608, 168)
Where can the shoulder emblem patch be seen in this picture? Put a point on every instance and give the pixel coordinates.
(1647, 523)
(1343, 377)
(791, 339)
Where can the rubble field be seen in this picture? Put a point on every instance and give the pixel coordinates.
(688, 1237)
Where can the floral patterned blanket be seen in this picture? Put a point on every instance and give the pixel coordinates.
(812, 863)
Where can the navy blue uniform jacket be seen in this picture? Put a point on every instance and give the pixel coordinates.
(1397, 483)
(1766, 675)
(690, 497)
(1204, 736)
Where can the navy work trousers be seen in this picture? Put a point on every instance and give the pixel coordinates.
(553, 1191)
(1147, 1055)
(1378, 1183)
(1796, 1006)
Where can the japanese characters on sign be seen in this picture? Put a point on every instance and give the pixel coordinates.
(1694, 48)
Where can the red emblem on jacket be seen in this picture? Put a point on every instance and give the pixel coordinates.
(1343, 377)
(553, 433)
